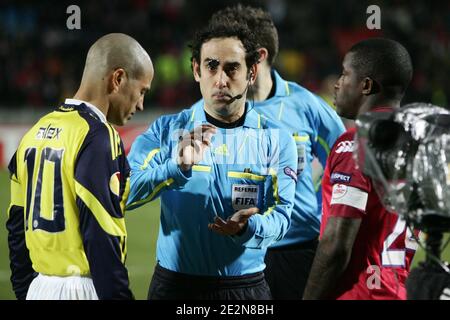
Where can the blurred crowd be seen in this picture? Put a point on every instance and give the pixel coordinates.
(41, 61)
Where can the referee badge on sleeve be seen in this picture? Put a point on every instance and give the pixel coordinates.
(301, 158)
(290, 173)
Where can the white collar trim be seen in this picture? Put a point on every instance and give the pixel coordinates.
(90, 105)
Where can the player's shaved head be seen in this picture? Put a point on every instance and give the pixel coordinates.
(117, 73)
(113, 51)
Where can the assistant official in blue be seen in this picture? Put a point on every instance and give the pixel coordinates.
(225, 175)
(315, 127)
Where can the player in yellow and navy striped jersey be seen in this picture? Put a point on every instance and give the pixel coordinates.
(70, 182)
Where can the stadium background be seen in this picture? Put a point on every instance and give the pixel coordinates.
(41, 63)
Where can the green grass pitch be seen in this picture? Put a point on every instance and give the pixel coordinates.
(142, 225)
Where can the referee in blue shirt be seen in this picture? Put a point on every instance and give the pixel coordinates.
(225, 175)
(315, 127)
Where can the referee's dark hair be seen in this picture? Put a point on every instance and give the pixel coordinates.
(386, 62)
(234, 29)
(258, 21)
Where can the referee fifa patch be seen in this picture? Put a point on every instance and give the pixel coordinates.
(301, 159)
(245, 196)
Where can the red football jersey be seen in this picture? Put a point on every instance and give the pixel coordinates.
(383, 248)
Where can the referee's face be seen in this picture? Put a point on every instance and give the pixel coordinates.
(223, 76)
(348, 90)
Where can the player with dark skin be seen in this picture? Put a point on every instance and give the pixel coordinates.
(363, 86)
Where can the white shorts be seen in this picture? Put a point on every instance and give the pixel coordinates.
(61, 288)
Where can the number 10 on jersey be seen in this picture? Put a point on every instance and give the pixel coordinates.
(44, 190)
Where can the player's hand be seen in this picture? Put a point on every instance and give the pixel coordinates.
(234, 224)
(192, 146)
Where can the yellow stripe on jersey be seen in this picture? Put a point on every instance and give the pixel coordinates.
(115, 141)
(273, 173)
(126, 192)
(324, 144)
(163, 184)
(201, 168)
(111, 225)
(119, 150)
(111, 141)
(301, 138)
(245, 175)
(149, 157)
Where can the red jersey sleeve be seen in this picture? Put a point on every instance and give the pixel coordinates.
(349, 187)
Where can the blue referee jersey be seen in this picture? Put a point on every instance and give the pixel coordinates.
(315, 127)
(247, 166)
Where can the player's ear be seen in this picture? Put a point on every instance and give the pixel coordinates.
(196, 70)
(118, 78)
(263, 54)
(369, 86)
(252, 73)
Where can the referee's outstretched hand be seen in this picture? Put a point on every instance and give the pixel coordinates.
(235, 224)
